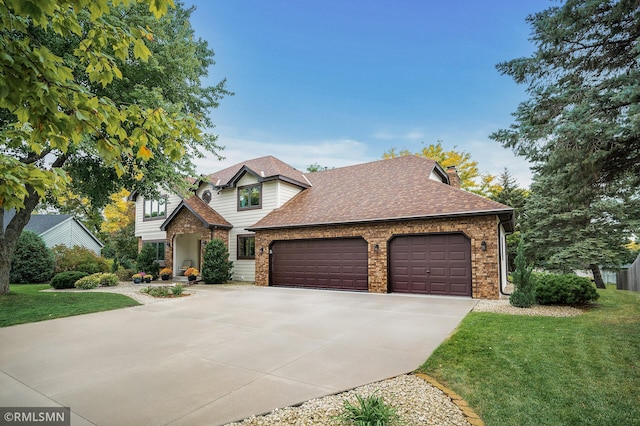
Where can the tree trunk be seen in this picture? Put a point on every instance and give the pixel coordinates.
(9, 237)
(597, 276)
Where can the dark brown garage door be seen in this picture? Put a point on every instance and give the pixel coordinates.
(430, 264)
(339, 263)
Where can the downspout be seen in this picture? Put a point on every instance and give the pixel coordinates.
(500, 255)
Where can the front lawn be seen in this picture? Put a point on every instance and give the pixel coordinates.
(26, 303)
(519, 370)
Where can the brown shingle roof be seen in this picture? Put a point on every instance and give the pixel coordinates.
(202, 211)
(384, 190)
(263, 167)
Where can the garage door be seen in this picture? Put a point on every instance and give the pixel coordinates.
(339, 263)
(430, 264)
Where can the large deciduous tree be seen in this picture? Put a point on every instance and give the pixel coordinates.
(470, 177)
(581, 129)
(69, 115)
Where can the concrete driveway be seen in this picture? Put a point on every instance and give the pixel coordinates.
(207, 360)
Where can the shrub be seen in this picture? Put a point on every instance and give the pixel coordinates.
(156, 291)
(32, 261)
(147, 260)
(67, 279)
(371, 410)
(177, 290)
(565, 289)
(125, 274)
(108, 280)
(524, 294)
(216, 268)
(78, 259)
(89, 282)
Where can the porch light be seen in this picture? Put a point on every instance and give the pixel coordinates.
(169, 243)
(261, 250)
(376, 247)
(483, 246)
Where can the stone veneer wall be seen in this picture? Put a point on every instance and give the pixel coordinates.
(186, 223)
(484, 264)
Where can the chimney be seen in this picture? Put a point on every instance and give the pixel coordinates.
(454, 179)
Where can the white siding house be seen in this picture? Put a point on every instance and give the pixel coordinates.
(273, 184)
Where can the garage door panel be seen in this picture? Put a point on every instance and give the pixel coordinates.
(430, 264)
(325, 263)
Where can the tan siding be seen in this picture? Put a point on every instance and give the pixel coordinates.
(286, 191)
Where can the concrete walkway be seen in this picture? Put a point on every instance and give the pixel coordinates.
(223, 356)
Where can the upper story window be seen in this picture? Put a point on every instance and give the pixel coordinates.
(155, 209)
(250, 197)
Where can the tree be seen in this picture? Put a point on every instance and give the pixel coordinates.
(146, 261)
(75, 111)
(32, 261)
(510, 194)
(118, 230)
(217, 267)
(523, 295)
(315, 167)
(467, 168)
(580, 129)
(569, 227)
(583, 87)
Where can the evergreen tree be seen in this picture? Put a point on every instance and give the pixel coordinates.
(523, 295)
(217, 267)
(32, 261)
(146, 261)
(511, 195)
(580, 129)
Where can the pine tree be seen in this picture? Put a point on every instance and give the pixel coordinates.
(217, 267)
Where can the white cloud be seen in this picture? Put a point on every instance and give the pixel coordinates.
(493, 158)
(328, 153)
(410, 136)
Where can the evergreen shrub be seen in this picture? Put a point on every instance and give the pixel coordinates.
(564, 289)
(32, 261)
(216, 268)
(67, 279)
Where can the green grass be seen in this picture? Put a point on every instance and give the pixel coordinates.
(26, 303)
(518, 370)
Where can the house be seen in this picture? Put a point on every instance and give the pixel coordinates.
(59, 229)
(397, 225)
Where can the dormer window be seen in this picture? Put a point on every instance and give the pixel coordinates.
(250, 197)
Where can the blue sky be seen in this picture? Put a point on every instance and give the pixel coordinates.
(340, 82)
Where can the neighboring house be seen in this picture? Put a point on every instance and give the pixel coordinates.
(56, 229)
(398, 225)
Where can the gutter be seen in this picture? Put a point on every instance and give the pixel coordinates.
(500, 255)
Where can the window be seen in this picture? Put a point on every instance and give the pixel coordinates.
(206, 196)
(250, 197)
(246, 247)
(158, 247)
(155, 209)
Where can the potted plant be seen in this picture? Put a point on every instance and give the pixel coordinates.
(137, 278)
(166, 273)
(191, 274)
(148, 278)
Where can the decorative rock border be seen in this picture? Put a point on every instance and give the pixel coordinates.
(467, 411)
